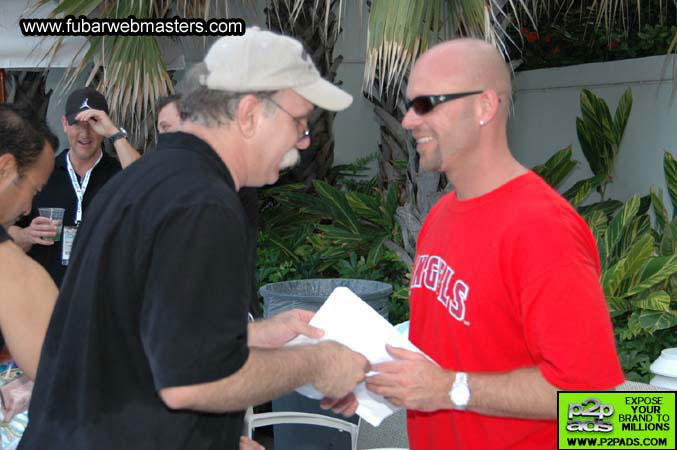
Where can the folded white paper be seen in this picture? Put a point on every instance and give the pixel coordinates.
(347, 319)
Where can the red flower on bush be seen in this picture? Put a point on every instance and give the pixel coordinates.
(532, 37)
(524, 30)
(556, 50)
(613, 44)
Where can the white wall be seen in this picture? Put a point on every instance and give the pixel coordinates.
(357, 130)
(547, 103)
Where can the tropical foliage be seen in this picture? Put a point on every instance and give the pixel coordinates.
(367, 229)
(600, 134)
(319, 35)
(638, 259)
(28, 88)
(344, 230)
(128, 70)
(565, 32)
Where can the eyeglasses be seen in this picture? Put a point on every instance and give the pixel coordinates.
(423, 104)
(306, 129)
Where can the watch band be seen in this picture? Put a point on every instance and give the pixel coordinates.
(460, 391)
(119, 135)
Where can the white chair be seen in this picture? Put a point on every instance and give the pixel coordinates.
(390, 435)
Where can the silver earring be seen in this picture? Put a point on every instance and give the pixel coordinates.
(481, 122)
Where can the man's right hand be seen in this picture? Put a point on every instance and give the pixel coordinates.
(340, 371)
(35, 233)
(282, 328)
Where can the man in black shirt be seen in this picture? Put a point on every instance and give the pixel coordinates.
(79, 173)
(27, 293)
(168, 121)
(149, 346)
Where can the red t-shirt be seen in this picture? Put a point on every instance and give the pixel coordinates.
(507, 280)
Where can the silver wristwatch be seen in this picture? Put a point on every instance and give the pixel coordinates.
(119, 135)
(460, 392)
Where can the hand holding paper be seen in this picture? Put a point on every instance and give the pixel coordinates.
(345, 318)
(282, 328)
(341, 369)
(412, 381)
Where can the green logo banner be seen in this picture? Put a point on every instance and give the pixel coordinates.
(627, 420)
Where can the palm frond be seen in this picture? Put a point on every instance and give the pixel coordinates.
(128, 70)
(400, 30)
(321, 9)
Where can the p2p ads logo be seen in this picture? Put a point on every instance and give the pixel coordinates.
(590, 408)
(616, 420)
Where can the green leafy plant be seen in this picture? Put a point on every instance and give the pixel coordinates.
(645, 320)
(556, 169)
(638, 260)
(566, 33)
(600, 134)
(341, 230)
(639, 266)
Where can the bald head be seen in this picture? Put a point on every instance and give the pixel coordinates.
(464, 65)
(459, 93)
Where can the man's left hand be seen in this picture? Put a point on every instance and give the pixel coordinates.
(346, 405)
(411, 381)
(282, 328)
(250, 444)
(99, 121)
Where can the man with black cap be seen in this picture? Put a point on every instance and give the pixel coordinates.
(149, 346)
(79, 173)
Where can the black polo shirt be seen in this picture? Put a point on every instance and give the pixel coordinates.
(155, 296)
(59, 193)
(249, 198)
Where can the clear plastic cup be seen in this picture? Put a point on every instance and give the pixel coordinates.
(56, 215)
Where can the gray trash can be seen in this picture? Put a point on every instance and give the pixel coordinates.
(310, 294)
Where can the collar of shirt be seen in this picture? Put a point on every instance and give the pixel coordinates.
(190, 142)
(60, 160)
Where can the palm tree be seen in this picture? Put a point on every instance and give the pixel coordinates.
(399, 30)
(318, 31)
(132, 75)
(128, 70)
(28, 88)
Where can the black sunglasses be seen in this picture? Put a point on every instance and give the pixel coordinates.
(423, 104)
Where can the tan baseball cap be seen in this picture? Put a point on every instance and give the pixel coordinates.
(266, 61)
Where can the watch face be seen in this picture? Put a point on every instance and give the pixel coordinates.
(460, 396)
(460, 392)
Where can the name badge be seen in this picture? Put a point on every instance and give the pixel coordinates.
(68, 238)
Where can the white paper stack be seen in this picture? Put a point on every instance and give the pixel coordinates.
(347, 319)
